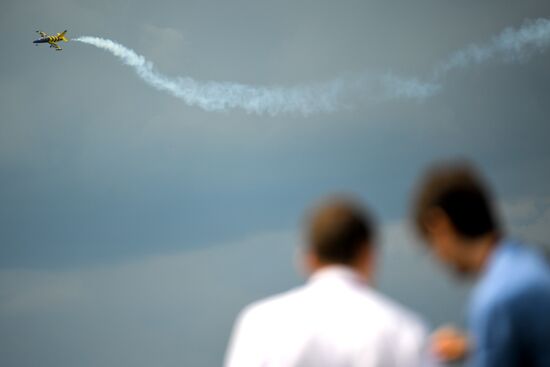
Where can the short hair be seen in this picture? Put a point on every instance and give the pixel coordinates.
(456, 188)
(338, 229)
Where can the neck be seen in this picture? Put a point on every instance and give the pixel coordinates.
(362, 265)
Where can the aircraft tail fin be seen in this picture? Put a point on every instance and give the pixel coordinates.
(62, 35)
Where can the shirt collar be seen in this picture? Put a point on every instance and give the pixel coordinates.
(496, 265)
(502, 249)
(336, 272)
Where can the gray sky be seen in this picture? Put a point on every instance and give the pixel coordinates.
(134, 227)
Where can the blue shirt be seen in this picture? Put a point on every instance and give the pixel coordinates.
(509, 313)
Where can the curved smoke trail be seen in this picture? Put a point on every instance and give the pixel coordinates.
(215, 96)
(314, 98)
(511, 44)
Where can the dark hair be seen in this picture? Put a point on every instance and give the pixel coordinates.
(338, 229)
(458, 190)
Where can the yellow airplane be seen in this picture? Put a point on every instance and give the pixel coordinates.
(44, 38)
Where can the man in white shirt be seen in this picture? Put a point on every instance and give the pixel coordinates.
(336, 319)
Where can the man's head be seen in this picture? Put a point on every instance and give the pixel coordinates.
(453, 212)
(340, 232)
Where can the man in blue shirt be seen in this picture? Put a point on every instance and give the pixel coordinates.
(509, 312)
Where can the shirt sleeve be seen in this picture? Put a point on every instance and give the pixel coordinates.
(492, 332)
(415, 351)
(244, 349)
(410, 347)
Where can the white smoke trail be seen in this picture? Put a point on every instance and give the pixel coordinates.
(314, 98)
(511, 45)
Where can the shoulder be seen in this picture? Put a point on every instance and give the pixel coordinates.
(515, 266)
(522, 276)
(528, 274)
(250, 340)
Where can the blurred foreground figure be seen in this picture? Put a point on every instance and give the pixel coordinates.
(335, 319)
(509, 312)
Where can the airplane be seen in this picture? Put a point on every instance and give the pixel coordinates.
(44, 38)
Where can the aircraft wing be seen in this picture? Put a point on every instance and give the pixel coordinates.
(42, 34)
(57, 48)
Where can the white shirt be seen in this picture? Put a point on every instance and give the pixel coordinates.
(334, 320)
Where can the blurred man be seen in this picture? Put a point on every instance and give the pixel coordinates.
(509, 313)
(336, 319)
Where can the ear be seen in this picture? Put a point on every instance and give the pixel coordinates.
(437, 222)
(310, 261)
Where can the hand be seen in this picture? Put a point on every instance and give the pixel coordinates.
(449, 344)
